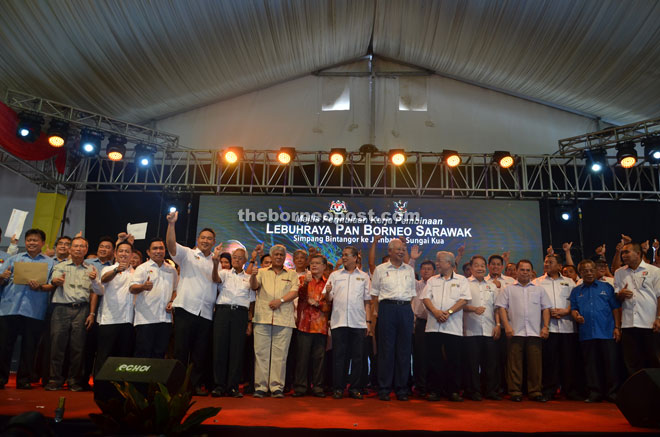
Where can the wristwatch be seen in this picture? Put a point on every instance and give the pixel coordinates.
(282, 299)
(450, 312)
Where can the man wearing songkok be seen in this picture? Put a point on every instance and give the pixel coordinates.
(230, 323)
(637, 285)
(154, 283)
(195, 299)
(392, 289)
(23, 308)
(481, 328)
(348, 290)
(444, 297)
(273, 322)
(525, 313)
(596, 310)
(75, 301)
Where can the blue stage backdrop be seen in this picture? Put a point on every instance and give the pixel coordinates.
(484, 226)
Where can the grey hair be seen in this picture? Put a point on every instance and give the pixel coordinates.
(390, 245)
(448, 256)
(242, 250)
(277, 248)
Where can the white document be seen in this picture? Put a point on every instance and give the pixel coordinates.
(16, 222)
(138, 230)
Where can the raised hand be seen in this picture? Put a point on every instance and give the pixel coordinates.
(600, 250)
(92, 273)
(506, 256)
(172, 217)
(461, 250)
(377, 238)
(550, 250)
(217, 251)
(78, 235)
(567, 246)
(14, 240)
(415, 252)
(626, 239)
(48, 251)
(625, 292)
(122, 266)
(147, 285)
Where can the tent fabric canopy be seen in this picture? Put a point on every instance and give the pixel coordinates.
(140, 60)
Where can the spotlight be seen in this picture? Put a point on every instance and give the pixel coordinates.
(58, 132)
(29, 126)
(172, 209)
(144, 154)
(566, 216)
(337, 156)
(451, 158)
(503, 159)
(397, 156)
(652, 149)
(286, 155)
(626, 154)
(116, 149)
(232, 155)
(90, 141)
(596, 159)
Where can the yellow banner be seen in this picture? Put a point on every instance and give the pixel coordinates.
(48, 213)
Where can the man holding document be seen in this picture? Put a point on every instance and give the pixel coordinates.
(23, 305)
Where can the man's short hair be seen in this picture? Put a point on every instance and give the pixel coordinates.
(277, 248)
(449, 257)
(492, 257)
(319, 256)
(207, 230)
(63, 237)
(80, 238)
(427, 262)
(555, 256)
(477, 257)
(636, 247)
(242, 249)
(299, 251)
(524, 261)
(35, 231)
(156, 240)
(263, 257)
(125, 242)
(353, 249)
(584, 262)
(107, 238)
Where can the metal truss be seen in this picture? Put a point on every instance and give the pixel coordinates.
(362, 175)
(609, 138)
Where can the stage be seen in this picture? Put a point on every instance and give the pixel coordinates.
(328, 416)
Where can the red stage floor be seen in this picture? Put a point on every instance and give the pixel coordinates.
(367, 414)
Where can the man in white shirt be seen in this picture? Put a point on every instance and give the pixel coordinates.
(348, 290)
(444, 297)
(481, 328)
(392, 289)
(496, 265)
(230, 323)
(195, 299)
(420, 368)
(116, 315)
(524, 308)
(154, 284)
(560, 350)
(637, 286)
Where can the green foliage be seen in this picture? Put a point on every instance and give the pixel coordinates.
(157, 413)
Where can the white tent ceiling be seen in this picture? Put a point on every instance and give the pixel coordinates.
(139, 60)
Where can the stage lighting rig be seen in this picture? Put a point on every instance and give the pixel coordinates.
(286, 155)
(29, 126)
(652, 149)
(232, 155)
(144, 155)
(451, 158)
(397, 156)
(58, 131)
(596, 159)
(90, 141)
(116, 149)
(337, 156)
(626, 154)
(503, 158)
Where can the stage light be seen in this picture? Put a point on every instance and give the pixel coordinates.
(144, 154)
(626, 154)
(116, 149)
(337, 156)
(29, 126)
(652, 149)
(232, 155)
(503, 158)
(58, 131)
(566, 216)
(172, 209)
(451, 158)
(90, 141)
(286, 155)
(397, 156)
(596, 159)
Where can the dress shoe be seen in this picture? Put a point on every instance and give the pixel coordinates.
(200, 391)
(494, 397)
(76, 388)
(433, 397)
(277, 394)
(53, 386)
(259, 394)
(516, 398)
(355, 394)
(218, 392)
(384, 396)
(235, 393)
(337, 394)
(24, 386)
(455, 397)
(538, 398)
(319, 394)
(298, 394)
(592, 399)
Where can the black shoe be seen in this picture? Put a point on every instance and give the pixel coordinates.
(494, 397)
(23, 386)
(298, 394)
(319, 394)
(455, 397)
(384, 396)
(402, 397)
(355, 394)
(53, 386)
(200, 391)
(235, 393)
(538, 398)
(433, 397)
(277, 394)
(218, 392)
(337, 394)
(592, 399)
(517, 398)
(259, 394)
(76, 388)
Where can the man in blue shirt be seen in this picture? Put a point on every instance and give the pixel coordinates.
(596, 310)
(22, 310)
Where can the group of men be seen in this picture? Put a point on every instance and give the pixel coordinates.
(468, 335)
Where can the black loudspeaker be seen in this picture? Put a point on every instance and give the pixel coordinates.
(138, 371)
(639, 399)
